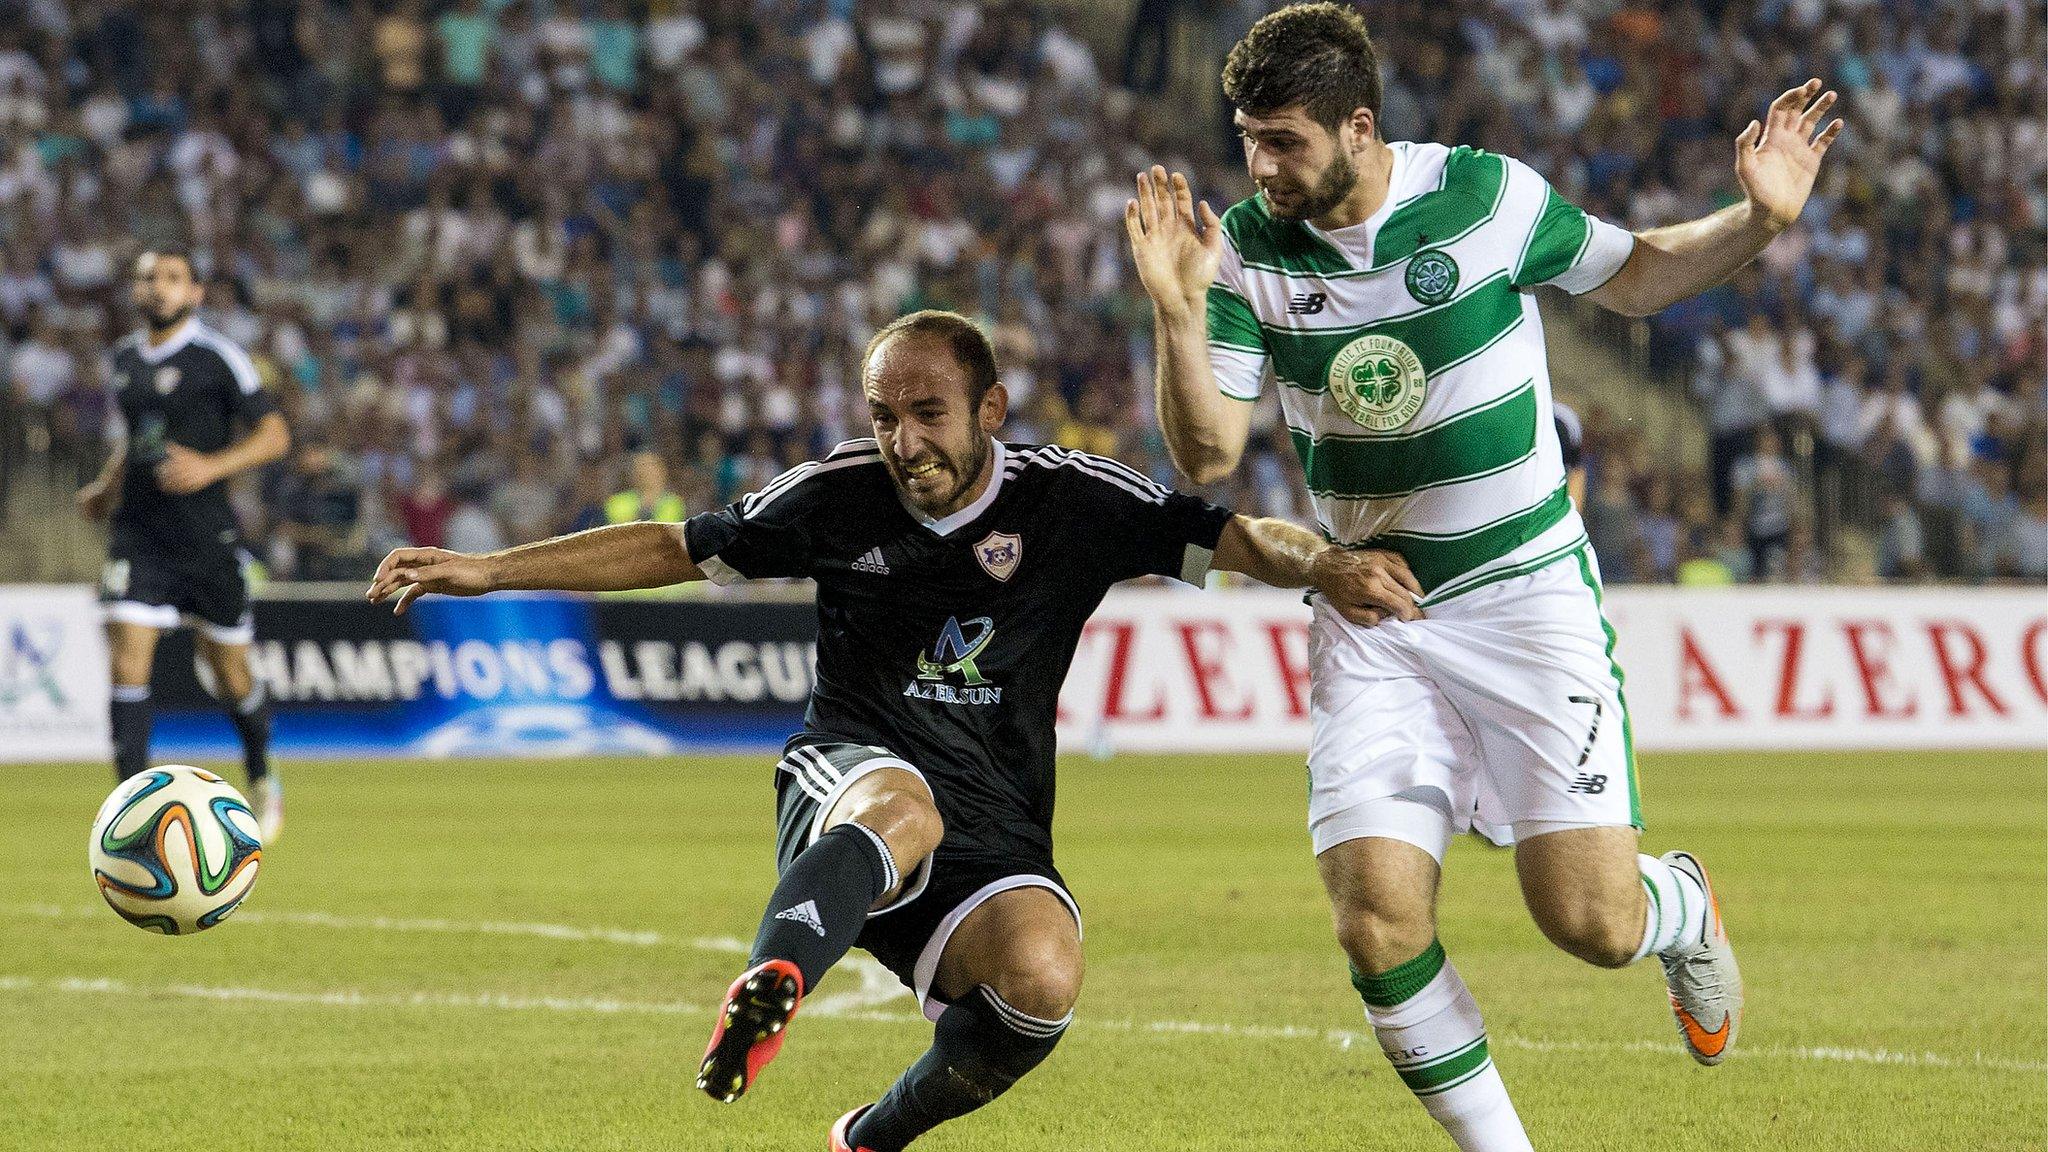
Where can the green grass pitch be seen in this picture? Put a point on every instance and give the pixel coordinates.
(523, 955)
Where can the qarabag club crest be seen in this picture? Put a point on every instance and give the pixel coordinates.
(1000, 553)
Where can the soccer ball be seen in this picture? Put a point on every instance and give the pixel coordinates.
(175, 849)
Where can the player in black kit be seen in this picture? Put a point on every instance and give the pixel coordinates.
(915, 807)
(193, 414)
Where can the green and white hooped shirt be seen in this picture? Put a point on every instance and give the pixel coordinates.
(1410, 360)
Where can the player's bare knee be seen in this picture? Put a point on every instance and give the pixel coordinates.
(1040, 978)
(230, 667)
(1605, 934)
(916, 827)
(1376, 941)
(905, 819)
(130, 653)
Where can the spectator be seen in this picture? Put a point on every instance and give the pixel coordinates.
(1726, 382)
(648, 497)
(319, 509)
(525, 504)
(1658, 528)
(2023, 551)
(1988, 508)
(400, 44)
(1901, 544)
(464, 33)
(424, 512)
(585, 507)
(42, 367)
(1764, 497)
(1611, 524)
(471, 527)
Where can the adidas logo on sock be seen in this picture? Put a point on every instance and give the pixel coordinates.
(805, 914)
(871, 562)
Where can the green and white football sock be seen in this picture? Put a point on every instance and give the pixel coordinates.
(1677, 918)
(1429, 1026)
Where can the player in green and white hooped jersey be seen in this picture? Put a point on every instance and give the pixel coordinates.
(1387, 289)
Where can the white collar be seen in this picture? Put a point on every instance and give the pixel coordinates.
(1368, 229)
(961, 519)
(168, 348)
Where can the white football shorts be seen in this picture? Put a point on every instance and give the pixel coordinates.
(1506, 700)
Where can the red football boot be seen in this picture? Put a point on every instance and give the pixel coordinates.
(840, 1141)
(758, 1008)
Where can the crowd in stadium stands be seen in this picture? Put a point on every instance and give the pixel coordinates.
(514, 267)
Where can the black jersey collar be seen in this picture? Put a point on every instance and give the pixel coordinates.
(168, 348)
(948, 525)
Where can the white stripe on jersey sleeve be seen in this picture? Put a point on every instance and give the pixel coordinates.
(1119, 468)
(238, 362)
(753, 503)
(1101, 468)
(1607, 248)
(1239, 374)
(719, 572)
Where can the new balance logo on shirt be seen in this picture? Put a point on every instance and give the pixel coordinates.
(1306, 303)
(872, 563)
(805, 914)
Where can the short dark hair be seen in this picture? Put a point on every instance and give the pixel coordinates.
(172, 251)
(1316, 55)
(968, 342)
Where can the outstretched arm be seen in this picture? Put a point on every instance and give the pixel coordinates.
(1367, 585)
(615, 558)
(1177, 256)
(1776, 162)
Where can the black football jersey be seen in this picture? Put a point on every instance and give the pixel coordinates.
(196, 389)
(946, 642)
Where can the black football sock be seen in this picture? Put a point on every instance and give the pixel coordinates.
(129, 714)
(822, 901)
(981, 1046)
(251, 715)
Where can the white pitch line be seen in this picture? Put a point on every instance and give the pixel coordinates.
(878, 987)
(353, 998)
(849, 1007)
(634, 937)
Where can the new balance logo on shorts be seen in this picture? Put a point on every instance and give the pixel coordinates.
(805, 914)
(872, 563)
(1306, 303)
(1589, 783)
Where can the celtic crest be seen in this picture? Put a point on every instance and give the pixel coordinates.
(1432, 277)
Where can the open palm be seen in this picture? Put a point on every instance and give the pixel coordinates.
(1776, 160)
(1177, 251)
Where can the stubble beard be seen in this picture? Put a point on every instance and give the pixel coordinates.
(165, 319)
(1338, 178)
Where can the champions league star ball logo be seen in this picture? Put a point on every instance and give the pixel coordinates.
(1000, 554)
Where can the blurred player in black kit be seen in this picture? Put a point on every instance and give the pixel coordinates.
(191, 415)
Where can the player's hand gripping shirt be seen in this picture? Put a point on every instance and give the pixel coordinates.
(946, 642)
(1410, 361)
